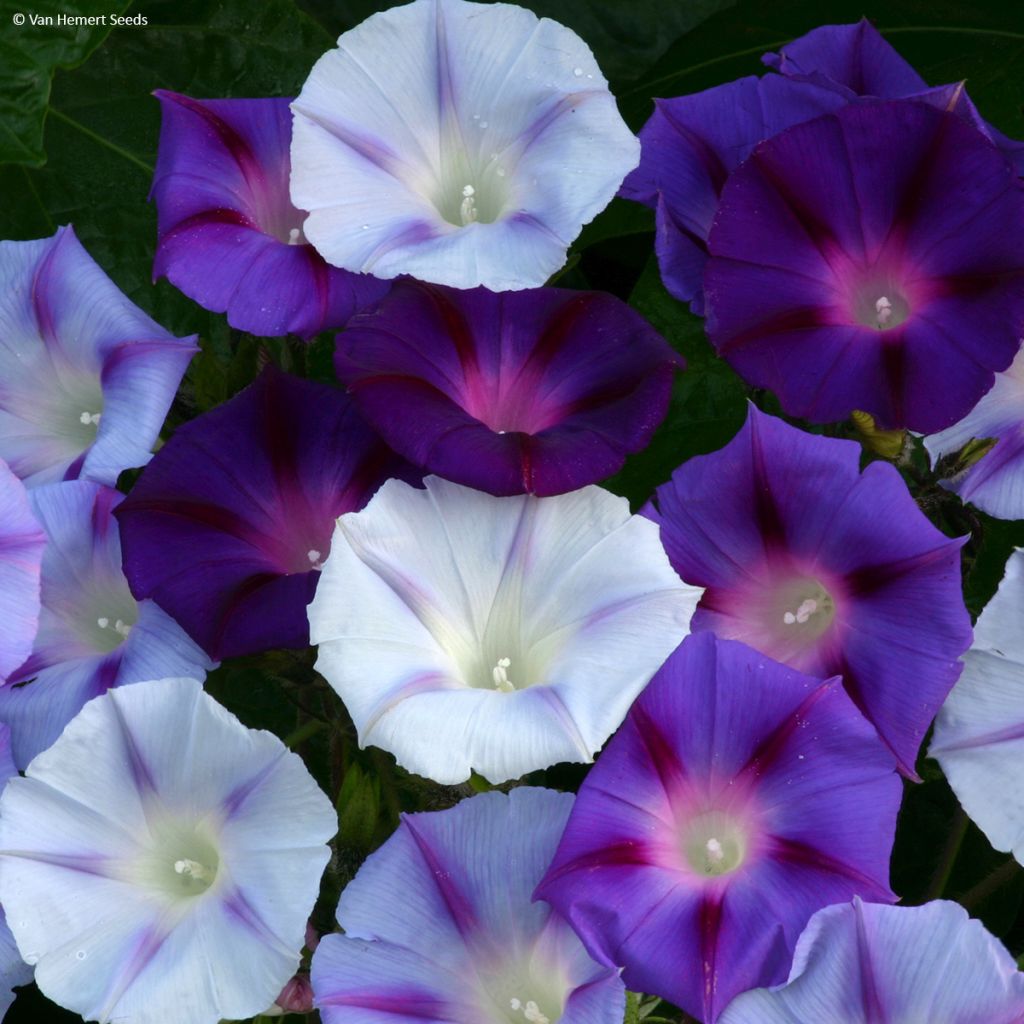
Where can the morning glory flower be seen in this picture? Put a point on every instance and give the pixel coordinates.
(146, 872)
(870, 259)
(86, 378)
(855, 60)
(995, 481)
(503, 635)
(979, 733)
(229, 236)
(21, 553)
(92, 633)
(228, 527)
(825, 568)
(13, 970)
(862, 963)
(540, 391)
(460, 143)
(739, 797)
(439, 925)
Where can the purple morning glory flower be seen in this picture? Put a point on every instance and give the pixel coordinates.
(540, 391)
(86, 378)
(92, 633)
(739, 797)
(229, 235)
(995, 482)
(147, 873)
(21, 554)
(870, 259)
(461, 143)
(690, 146)
(439, 926)
(13, 970)
(856, 61)
(825, 568)
(862, 963)
(229, 525)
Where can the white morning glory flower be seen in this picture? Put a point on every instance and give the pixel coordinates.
(461, 143)
(13, 970)
(159, 862)
(466, 631)
(979, 733)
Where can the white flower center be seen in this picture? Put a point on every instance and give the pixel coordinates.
(530, 1010)
(499, 674)
(194, 870)
(883, 311)
(714, 843)
(90, 419)
(118, 625)
(467, 211)
(807, 608)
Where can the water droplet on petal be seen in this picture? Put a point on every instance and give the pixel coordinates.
(81, 954)
(578, 72)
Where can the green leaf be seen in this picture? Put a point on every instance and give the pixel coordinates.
(31, 52)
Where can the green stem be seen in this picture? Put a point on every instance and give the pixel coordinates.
(303, 732)
(977, 894)
(950, 852)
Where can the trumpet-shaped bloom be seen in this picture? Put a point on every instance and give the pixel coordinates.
(739, 797)
(540, 391)
(856, 61)
(145, 870)
(21, 554)
(465, 631)
(979, 733)
(86, 378)
(229, 235)
(92, 633)
(460, 143)
(862, 963)
(13, 970)
(439, 926)
(229, 525)
(870, 259)
(825, 568)
(995, 482)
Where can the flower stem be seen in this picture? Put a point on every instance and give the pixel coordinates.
(303, 732)
(950, 852)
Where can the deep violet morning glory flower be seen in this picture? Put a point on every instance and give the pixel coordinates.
(994, 482)
(503, 635)
(825, 568)
(86, 378)
(857, 61)
(870, 259)
(229, 525)
(21, 554)
(146, 871)
(739, 797)
(863, 963)
(229, 236)
(439, 925)
(540, 391)
(92, 633)
(13, 970)
(460, 143)
(979, 733)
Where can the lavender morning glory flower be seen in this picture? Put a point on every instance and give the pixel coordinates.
(460, 143)
(92, 633)
(539, 391)
(825, 568)
(994, 482)
(146, 872)
(86, 378)
(856, 61)
(21, 554)
(739, 797)
(862, 963)
(979, 733)
(229, 235)
(870, 259)
(465, 631)
(439, 926)
(229, 525)
(13, 970)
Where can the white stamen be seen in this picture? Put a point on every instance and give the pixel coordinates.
(467, 211)
(103, 622)
(803, 613)
(121, 627)
(500, 676)
(789, 618)
(89, 418)
(294, 237)
(883, 311)
(192, 869)
(314, 557)
(118, 625)
(531, 1011)
(713, 853)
